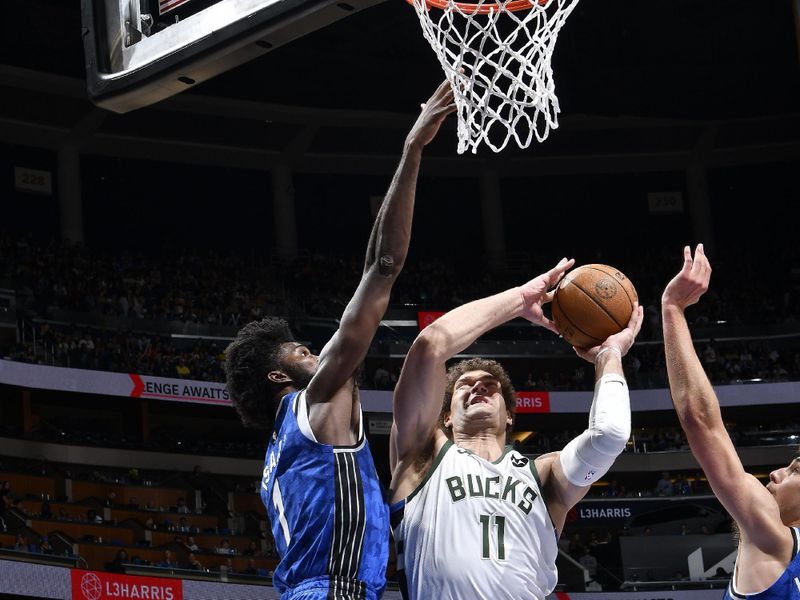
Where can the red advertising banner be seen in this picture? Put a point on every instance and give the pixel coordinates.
(426, 317)
(533, 402)
(98, 585)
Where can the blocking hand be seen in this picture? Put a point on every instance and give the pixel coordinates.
(434, 112)
(691, 283)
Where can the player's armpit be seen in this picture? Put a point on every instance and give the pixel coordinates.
(561, 495)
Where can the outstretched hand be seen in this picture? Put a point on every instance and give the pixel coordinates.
(434, 112)
(691, 283)
(622, 341)
(536, 293)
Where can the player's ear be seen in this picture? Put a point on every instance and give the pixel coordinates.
(278, 377)
(447, 421)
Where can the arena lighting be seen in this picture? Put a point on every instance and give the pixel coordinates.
(721, 322)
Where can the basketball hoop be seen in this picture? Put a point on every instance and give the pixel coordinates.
(497, 57)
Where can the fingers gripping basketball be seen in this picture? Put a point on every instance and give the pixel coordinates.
(591, 303)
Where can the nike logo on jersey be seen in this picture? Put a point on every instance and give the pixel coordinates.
(498, 488)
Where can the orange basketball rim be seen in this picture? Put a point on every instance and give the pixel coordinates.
(485, 8)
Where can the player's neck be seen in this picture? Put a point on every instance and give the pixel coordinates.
(485, 444)
(280, 394)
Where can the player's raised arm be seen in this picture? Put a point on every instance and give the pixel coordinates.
(569, 474)
(386, 254)
(420, 388)
(742, 495)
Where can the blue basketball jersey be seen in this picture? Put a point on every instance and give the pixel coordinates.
(786, 588)
(329, 516)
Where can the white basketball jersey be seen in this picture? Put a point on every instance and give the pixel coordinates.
(476, 529)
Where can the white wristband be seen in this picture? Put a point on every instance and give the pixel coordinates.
(606, 349)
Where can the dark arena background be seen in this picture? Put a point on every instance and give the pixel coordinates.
(133, 246)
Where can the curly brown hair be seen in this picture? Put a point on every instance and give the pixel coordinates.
(255, 352)
(495, 369)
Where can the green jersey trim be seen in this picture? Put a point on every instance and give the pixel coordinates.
(535, 473)
(429, 474)
(506, 450)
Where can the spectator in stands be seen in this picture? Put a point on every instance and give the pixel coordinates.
(589, 562)
(252, 549)
(382, 379)
(612, 491)
(194, 563)
(116, 564)
(93, 517)
(21, 543)
(111, 498)
(683, 486)
(720, 574)
(136, 479)
(664, 486)
(169, 561)
(16, 504)
(684, 530)
(44, 546)
(251, 568)
(5, 494)
(229, 567)
(45, 512)
(269, 545)
(183, 525)
(192, 545)
(530, 383)
(181, 369)
(182, 508)
(150, 524)
(225, 547)
(576, 549)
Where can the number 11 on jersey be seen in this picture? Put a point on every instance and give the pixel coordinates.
(500, 527)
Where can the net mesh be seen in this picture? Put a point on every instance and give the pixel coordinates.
(499, 65)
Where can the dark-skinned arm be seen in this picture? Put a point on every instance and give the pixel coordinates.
(333, 419)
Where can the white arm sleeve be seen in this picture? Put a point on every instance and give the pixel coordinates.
(590, 455)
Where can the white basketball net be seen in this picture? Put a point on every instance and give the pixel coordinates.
(499, 65)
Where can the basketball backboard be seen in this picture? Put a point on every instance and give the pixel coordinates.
(138, 52)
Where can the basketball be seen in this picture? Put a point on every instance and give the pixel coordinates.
(591, 303)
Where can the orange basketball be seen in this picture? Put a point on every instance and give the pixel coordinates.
(591, 303)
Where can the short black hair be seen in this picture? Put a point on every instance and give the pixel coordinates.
(254, 353)
(494, 368)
